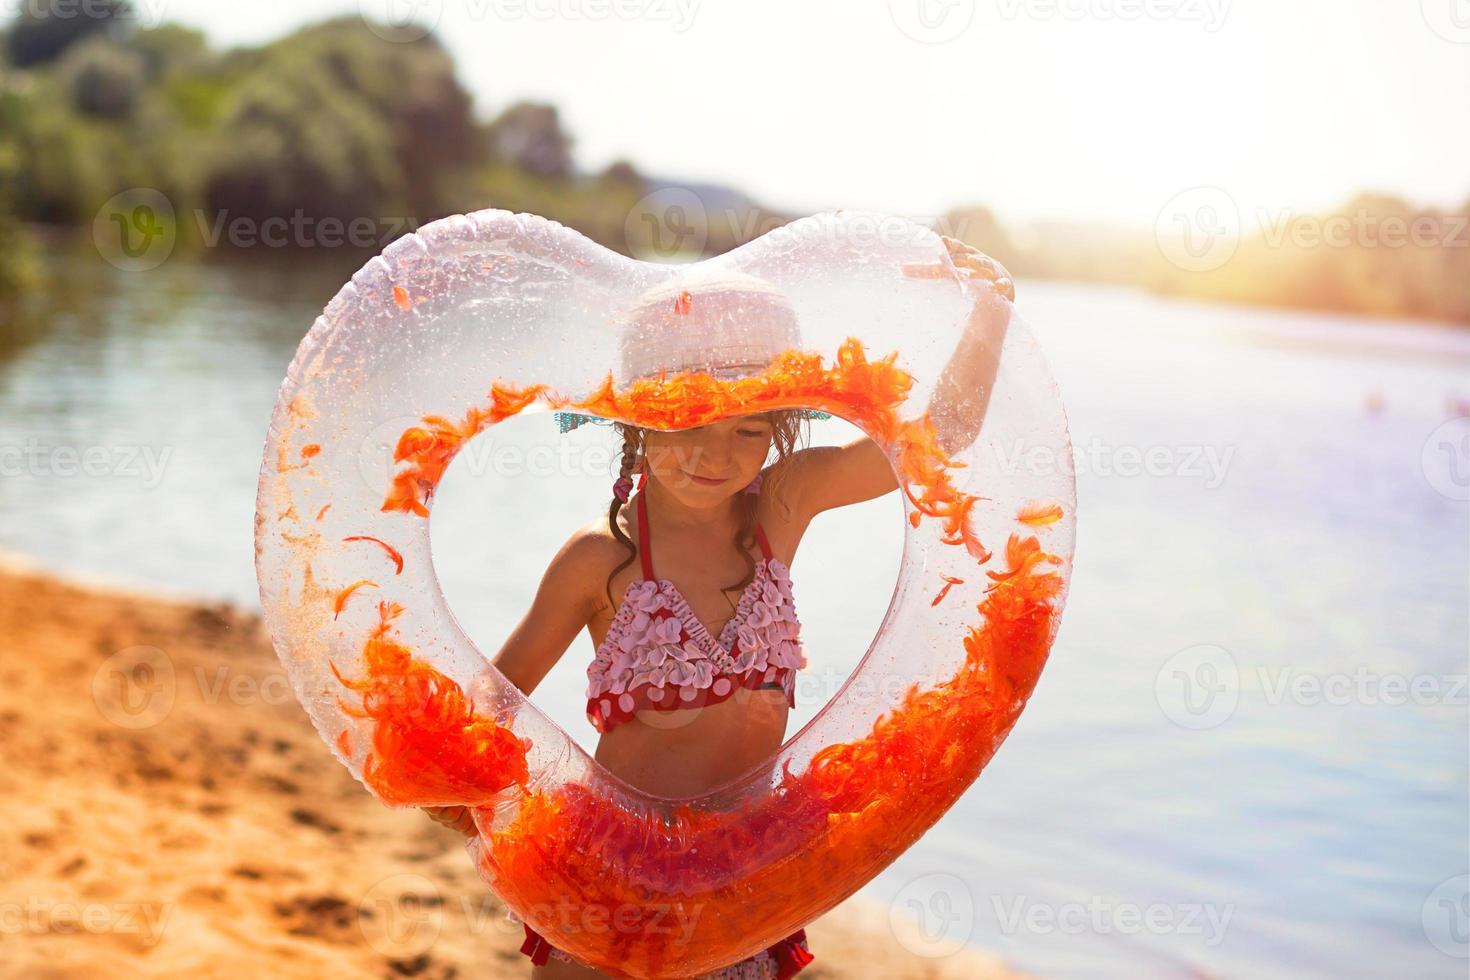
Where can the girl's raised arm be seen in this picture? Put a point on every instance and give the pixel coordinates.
(834, 476)
(565, 602)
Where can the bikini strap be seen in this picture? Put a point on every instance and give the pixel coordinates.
(761, 536)
(644, 551)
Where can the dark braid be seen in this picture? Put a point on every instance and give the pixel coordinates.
(785, 428)
(632, 443)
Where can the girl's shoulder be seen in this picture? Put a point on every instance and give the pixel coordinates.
(592, 553)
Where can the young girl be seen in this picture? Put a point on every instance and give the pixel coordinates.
(710, 532)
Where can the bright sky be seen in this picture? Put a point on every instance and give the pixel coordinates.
(1075, 109)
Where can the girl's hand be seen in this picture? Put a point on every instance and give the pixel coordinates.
(454, 817)
(970, 264)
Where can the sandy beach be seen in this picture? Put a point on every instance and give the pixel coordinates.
(171, 812)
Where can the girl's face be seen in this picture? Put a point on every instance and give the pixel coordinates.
(708, 463)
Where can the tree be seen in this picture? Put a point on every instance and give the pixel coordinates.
(529, 135)
(103, 78)
(337, 121)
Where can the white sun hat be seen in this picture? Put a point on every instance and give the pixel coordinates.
(728, 324)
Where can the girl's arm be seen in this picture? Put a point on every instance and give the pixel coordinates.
(565, 602)
(825, 477)
(563, 605)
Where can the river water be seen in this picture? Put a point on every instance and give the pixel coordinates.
(1248, 755)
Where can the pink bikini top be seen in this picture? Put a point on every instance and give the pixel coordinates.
(657, 654)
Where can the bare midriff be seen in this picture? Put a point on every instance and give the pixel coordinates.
(687, 751)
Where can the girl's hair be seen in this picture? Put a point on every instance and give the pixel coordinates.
(785, 427)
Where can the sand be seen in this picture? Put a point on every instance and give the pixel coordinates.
(169, 811)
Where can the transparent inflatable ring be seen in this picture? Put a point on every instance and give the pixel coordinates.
(479, 317)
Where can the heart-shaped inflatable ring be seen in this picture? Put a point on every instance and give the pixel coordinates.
(478, 317)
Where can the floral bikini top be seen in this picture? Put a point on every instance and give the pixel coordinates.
(657, 654)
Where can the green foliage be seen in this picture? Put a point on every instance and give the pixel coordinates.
(103, 78)
(341, 121)
(16, 267)
(170, 49)
(337, 121)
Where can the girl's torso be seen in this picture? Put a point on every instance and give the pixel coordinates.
(686, 751)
